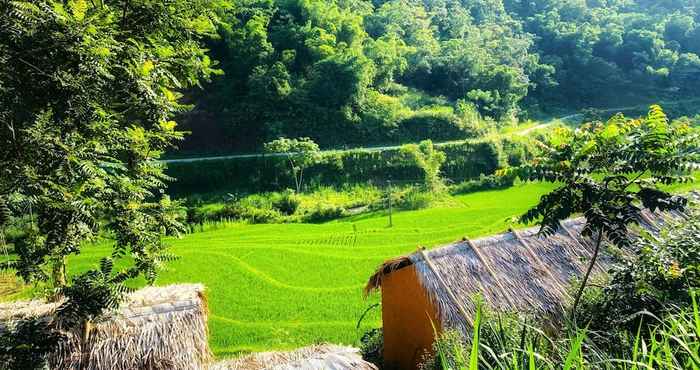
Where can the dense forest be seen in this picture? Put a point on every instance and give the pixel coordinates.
(359, 72)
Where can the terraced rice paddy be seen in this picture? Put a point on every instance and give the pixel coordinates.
(282, 286)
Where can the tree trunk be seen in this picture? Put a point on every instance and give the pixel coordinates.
(301, 180)
(586, 276)
(58, 271)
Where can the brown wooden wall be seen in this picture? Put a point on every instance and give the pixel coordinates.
(408, 315)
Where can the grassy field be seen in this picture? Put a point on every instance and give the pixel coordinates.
(280, 286)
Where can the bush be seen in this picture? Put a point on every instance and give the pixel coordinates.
(16, 229)
(664, 272)
(323, 212)
(469, 160)
(286, 202)
(372, 346)
(484, 182)
(250, 213)
(255, 209)
(198, 213)
(434, 124)
(429, 160)
(518, 150)
(413, 199)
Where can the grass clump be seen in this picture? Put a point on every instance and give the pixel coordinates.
(484, 182)
(323, 212)
(412, 199)
(668, 342)
(286, 202)
(372, 346)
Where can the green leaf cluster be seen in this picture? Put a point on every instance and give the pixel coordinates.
(88, 91)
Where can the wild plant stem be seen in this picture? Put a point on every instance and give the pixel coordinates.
(586, 276)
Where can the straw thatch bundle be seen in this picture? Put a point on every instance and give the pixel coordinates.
(156, 328)
(515, 271)
(318, 357)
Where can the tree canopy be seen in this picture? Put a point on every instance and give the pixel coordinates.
(325, 68)
(609, 172)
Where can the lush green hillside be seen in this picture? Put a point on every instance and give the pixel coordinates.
(359, 72)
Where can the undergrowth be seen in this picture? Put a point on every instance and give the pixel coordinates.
(668, 342)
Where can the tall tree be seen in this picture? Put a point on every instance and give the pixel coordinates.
(429, 160)
(300, 153)
(87, 92)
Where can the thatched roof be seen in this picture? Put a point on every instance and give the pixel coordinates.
(318, 357)
(514, 271)
(156, 328)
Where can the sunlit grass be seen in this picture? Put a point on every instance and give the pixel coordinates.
(670, 342)
(280, 286)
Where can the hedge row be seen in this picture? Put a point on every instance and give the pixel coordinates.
(465, 160)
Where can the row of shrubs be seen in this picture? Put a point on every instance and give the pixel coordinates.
(465, 160)
(272, 207)
(327, 203)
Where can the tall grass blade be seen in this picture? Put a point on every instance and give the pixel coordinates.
(635, 349)
(474, 355)
(440, 350)
(696, 313)
(575, 351)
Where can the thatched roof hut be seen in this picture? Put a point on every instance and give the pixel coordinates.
(156, 328)
(316, 357)
(515, 271)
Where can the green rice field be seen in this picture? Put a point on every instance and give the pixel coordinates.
(280, 286)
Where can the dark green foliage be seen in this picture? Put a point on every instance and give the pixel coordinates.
(4, 213)
(325, 69)
(372, 346)
(286, 203)
(662, 274)
(433, 125)
(484, 182)
(324, 212)
(348, 72)
(640, 47)
(26, 344)
(609, 173)
(464, 160)
(471, 159)
(87, 93)
(79, 142)
(249, 212)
